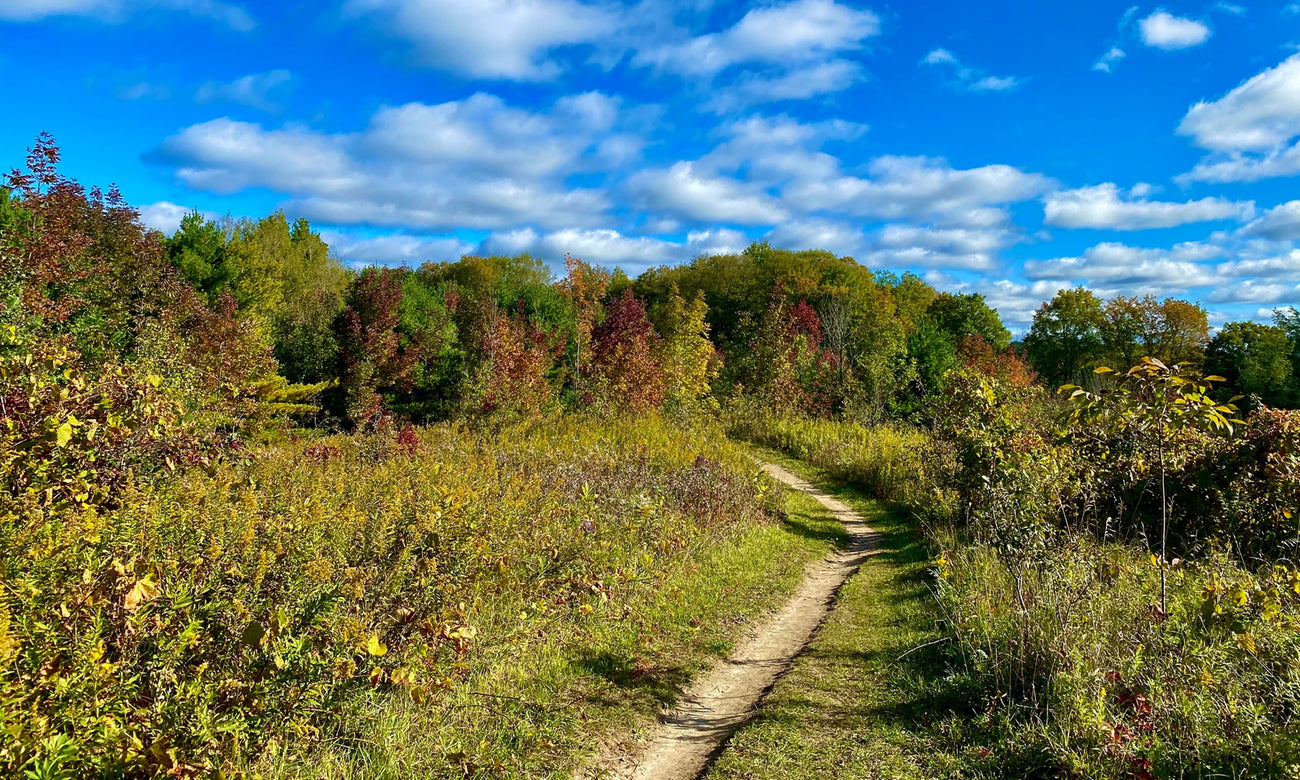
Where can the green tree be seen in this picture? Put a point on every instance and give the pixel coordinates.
(935, 355)
(1255, 359)
(1066, 336)
(686, 354)
(1155, 401)
(966, 314)
(198, 250)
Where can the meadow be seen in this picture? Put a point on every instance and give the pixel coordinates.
(266, 515)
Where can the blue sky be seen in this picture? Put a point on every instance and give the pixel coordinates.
(1005, 148)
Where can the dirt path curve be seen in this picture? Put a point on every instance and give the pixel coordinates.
(720, 702)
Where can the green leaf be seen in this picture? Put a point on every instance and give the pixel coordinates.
(253, 634)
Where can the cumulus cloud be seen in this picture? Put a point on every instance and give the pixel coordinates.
(796, 84)
(394, 250)
(476, 163)
(833, 236)
(802, 31)
(233, 16)
(166, 216)
(1014, 302)
(497, 39)
(1256, 291)
(968, 78)
(928, 246)
(776, 150)
(612, 248)
(921, 188)
(690, 194)
(1134, 270)
(1280, 223)
(1249, 130)
(1105, 206)
(256, 90)
(1163, 30)
(1260, 114)
(1278, 268)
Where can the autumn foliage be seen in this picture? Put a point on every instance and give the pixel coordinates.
(624, 371)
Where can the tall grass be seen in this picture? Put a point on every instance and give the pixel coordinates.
(432, 605)
(887, 462)
(1078, 671)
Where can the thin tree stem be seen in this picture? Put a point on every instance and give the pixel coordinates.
(1164, 530)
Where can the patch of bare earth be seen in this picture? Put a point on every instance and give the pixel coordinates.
(718, 703)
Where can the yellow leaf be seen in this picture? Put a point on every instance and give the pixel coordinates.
(375, 647)
(144, 590)
(63, 435)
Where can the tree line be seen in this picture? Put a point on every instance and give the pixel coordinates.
(170, 349)
(1077, 331)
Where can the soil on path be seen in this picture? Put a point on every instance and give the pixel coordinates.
(717, 704)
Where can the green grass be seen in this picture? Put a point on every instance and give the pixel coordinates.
(862, 700)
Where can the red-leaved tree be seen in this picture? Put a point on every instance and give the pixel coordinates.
(624, 372)
(373, 358)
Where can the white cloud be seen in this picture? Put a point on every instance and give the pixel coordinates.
(952, 241)
(1014, 302)
(1279, 268)
(254, 90)
(395, 249)
(968, 78)
(1110, 60)
(837, 237)
(1104, 206)
(936, 247)
(232, 16)
(690, 194)
(500, 39)
(921, 188)
(166, 216)
(1250, 129)
(798, 83)
(1256, 291)
(1238, 167)
(1166, 31)
(1260, 114)
(612, 248)
(1133, 270)
(1280, 223)
(776, 150)
(797, 32)
(476, 163)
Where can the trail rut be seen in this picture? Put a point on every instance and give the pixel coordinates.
(717, 704)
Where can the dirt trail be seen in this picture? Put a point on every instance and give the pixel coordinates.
(720, 702)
